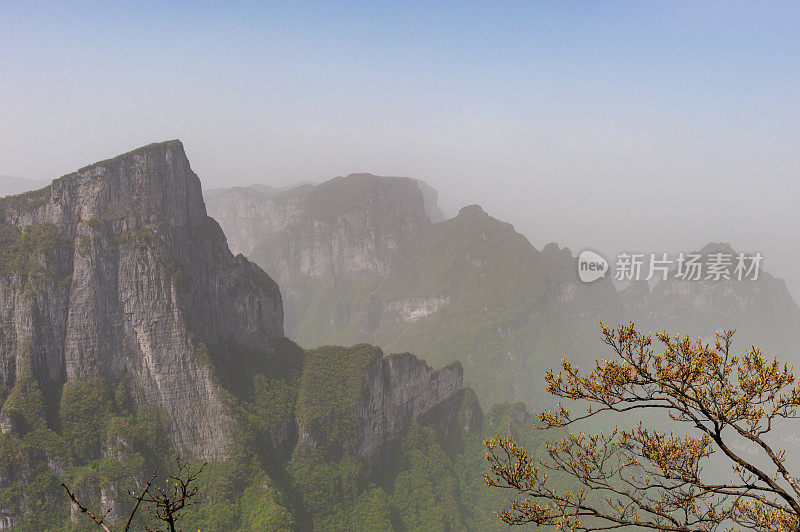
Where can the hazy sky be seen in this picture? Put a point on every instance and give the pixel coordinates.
(640, 126)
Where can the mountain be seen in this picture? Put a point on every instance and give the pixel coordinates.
(361, 259)
(382, 204)
(116, 270)
(15, 185)
(761, 311)
(130, 333)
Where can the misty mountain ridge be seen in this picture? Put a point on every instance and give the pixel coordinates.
(370, 263)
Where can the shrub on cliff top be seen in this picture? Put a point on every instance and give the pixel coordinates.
(331, 386)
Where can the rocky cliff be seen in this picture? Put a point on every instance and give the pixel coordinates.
(373, 397)
(117, 271)
(345, 226)
(398, 389)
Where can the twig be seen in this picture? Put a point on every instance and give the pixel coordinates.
(98, 521)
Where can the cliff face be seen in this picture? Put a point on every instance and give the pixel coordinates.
(117, 271)
(346, 226)
(246, 214)
(398, 389)
(370, 401)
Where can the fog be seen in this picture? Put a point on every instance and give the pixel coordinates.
(616, 126)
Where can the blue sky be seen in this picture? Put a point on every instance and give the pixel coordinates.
(637, 125)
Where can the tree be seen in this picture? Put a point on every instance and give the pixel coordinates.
(727, 407)
(164, 504)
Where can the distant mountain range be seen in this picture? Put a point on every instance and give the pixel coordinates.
(365, 258)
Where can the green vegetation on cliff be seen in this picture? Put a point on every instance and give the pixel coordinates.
(97, 443)
(469, 288)
(27, 201)
(429, 481)
(29, 252)
(102, 445)
(332, 385)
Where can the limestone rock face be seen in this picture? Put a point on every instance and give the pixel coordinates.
(247, 213)
(346, 226)
(415, 308)
(370, 401)
(116, 270)
(400, 388)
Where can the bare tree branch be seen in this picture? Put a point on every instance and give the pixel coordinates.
(97, 520)
(164, 504)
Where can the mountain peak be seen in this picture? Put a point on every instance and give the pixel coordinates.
(172, 147)
(141, 278)
(151, 184)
